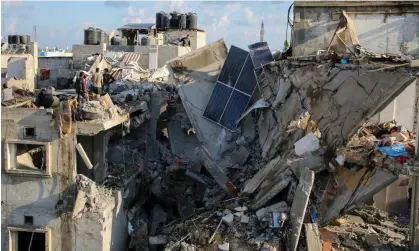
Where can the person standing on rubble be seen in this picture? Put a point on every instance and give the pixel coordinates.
(97, 80)
(186, 41)
(81, 88)
(107, 80)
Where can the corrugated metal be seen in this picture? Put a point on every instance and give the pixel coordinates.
(117, 74)
(131, 57)
(137, 26)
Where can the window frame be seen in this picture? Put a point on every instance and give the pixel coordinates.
(14, 171)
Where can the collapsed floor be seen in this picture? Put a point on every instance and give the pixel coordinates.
(307, 159)
(290, 177)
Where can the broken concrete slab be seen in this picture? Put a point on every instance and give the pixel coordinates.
(268, 193)
(258, 178)
(312, 237)
(244, 219)
(352, 189)
(323, 90)
(312, 162)
(307, 144)
(228, 219)
(278, 207)
(215, 170)
(299, 206)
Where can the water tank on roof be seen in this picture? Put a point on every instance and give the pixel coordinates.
(159, 20)
(10, 39)
(174, 22)
(22, 39)
(166, 21)
(90, 36)
(118, 40)
(101, 36)
(192, 21)
(17, 39)
(144, 40)
(182, 21)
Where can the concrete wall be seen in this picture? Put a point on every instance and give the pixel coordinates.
(168, 52)
(402, 109)
(378, 30)
(60, 71)
(105, 230)
(29, 81)
(198, 38)
(47, 199)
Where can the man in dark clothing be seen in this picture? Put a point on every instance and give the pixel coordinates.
(81, 88)
(186, 41)
(107, 79)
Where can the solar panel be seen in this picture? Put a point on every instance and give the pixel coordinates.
(247, 80)
(217, 102)
(261, 54)
(233, 89)
(233, 66)
(234, 109)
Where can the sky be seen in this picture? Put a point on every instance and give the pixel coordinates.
(61, 23)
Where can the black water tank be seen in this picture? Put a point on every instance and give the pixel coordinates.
(118, 40)
(166, 21)
(23, 39)
(101, 36)
(192, 21)
(10, 39)
(17, 39)
(174, 22)
(159, 20)
(182, 21)
(90, 36)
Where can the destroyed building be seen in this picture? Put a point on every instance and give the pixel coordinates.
(19, 64)
(220, 148)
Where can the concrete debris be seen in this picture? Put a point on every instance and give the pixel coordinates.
(307, 152)
(228, 219)
(299, 206)
(307, 144)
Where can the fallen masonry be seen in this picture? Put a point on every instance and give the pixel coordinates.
(160, 166)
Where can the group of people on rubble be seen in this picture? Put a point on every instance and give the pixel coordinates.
(99, 81)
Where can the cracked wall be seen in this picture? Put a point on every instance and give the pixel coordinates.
(48, 199)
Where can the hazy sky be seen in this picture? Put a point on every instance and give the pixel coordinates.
(61, 23)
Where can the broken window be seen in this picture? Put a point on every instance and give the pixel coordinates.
(24, 158)
(29, 239)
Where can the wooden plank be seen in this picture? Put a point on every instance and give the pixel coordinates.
(313, 237)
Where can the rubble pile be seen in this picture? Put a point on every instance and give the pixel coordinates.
(367, 228)
(294, 166)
